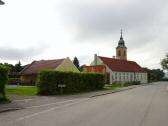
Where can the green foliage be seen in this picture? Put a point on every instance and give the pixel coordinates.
(154, 74)
(113, 86)
(164, 62)
(3, 80)
(117, 84)
(13, 68)
(10, 66)
(129, 83)
(48, 81)
(76, 62)
(164, 79)
(18, 67)
(135, 83)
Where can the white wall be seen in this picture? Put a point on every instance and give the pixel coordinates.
(128, 76)
(121, 76)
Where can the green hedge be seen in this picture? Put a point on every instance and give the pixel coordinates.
(3, 80)
(47, 82)
(164, 79)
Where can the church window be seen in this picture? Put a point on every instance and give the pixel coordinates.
(124, 53)
(119, 53)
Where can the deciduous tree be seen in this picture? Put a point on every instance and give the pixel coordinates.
(164, 62)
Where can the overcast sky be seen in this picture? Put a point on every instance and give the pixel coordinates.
(51, 29)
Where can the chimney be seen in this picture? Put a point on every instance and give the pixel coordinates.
(95, 59)
(114, 57)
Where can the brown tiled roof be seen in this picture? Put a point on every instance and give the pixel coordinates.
(36, 66)
(121, 65)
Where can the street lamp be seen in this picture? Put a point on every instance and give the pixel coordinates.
(1, 2)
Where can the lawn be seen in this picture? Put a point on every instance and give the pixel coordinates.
(32, 90)
(21, 90)
(112, 87)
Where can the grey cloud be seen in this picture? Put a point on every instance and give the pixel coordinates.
(11, 53)
(144, 23)
(100, 19)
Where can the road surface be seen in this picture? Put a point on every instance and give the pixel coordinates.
(142, 106)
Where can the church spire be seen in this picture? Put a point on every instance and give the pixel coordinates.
(121, 38)
(1, 2)
(121, 49)
(121, 42)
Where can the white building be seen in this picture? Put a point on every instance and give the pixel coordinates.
(119, 69)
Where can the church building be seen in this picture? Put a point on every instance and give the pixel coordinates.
(118, 68)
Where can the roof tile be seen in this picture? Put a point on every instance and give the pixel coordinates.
(121, 65)
(36, 66)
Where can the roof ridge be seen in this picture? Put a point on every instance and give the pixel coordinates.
(28, 66)
(117, 59)
(51, 59)
(121, 65)
(35, 66)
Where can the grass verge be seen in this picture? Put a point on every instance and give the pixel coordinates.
(32, 90)
(21, 91)
(112, 87)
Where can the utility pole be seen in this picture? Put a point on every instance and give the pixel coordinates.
(1, 2)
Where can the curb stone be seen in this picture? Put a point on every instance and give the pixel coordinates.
(9, 109)
(111, 92)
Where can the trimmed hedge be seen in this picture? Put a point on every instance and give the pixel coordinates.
(48, 81)
(164, 79)
(3, 80)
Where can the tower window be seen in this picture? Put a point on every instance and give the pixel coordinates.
(119, 53)
(124, 53)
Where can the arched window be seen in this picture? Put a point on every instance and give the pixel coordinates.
(124, 53)
(119, 53)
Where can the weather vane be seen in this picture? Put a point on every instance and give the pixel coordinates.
(1, 2)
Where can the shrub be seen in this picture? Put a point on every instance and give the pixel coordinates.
(164, 79)
(3, 80)
(117, 84)
(132, 83)
(48, 81)
(128, 84)
(136, 83)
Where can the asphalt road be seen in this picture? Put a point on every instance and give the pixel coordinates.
(142, 106)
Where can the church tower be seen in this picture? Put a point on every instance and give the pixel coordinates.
(121, 49)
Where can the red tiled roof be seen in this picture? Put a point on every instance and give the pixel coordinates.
(36, 66)
(121, 65)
